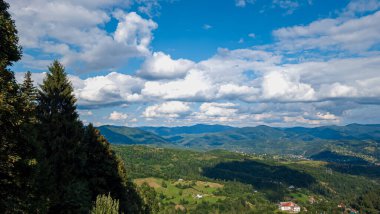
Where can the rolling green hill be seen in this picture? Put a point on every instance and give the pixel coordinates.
(353, 139)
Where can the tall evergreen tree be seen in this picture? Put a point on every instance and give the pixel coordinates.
(12, 161)
(10, 51)
(30, 147)
(29, 94)
(61, 132)
(106, 173)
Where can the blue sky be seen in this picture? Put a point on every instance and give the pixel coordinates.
(235, 62)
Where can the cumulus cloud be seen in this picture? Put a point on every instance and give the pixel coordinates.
(353, 34)
(113, 88)
(259, 85)
(117, 116)
(281, 86)
(162, 66)
(74, 32)
(217, 112)
(218, 109)
(171, 109)
(195, 86)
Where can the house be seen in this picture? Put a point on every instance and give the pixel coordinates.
(289, 207)
(199, 196)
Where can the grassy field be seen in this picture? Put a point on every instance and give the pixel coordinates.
(183, 192)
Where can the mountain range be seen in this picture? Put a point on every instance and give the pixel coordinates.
(358, 139)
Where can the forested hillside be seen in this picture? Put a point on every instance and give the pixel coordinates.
(49, 161)
(242, 183)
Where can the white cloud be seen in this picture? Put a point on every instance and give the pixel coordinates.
(217, 112)
(280, 86)
(326, 116)
(297, 120)
(117, 116)
(261, 85)
(223, 77)
(74, 32)
(218, 109)
(233, 91)
(361, 6)
(354, 34)
(171, 109)
(109, 89)
(195, 86)
(133, 30)
(162, 66)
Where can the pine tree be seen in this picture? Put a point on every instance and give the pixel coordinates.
(29, 144)
(10, 51)
(12, 162)
(61, 133)
(105, 205)
(106, 173)
(29, 94)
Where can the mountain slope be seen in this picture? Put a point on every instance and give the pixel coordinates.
(129, 135)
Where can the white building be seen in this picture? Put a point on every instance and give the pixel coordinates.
(199, 196)
(289, 207)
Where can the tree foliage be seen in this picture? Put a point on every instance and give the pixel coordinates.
(105, 205)
(60, 133)
(16, 165)
(109, 175)
(10, 51)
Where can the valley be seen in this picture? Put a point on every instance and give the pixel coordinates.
(220, 181)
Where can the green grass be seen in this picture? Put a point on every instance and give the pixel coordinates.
(176, 195)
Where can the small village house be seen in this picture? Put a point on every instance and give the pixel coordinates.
(289, 207)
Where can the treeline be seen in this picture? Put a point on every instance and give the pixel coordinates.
(49, 161)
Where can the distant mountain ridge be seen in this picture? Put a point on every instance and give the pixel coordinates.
(195, 129)
(354, 138)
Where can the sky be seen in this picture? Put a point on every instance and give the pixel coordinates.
(236, 62)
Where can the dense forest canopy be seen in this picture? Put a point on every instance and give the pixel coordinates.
(244, 183)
